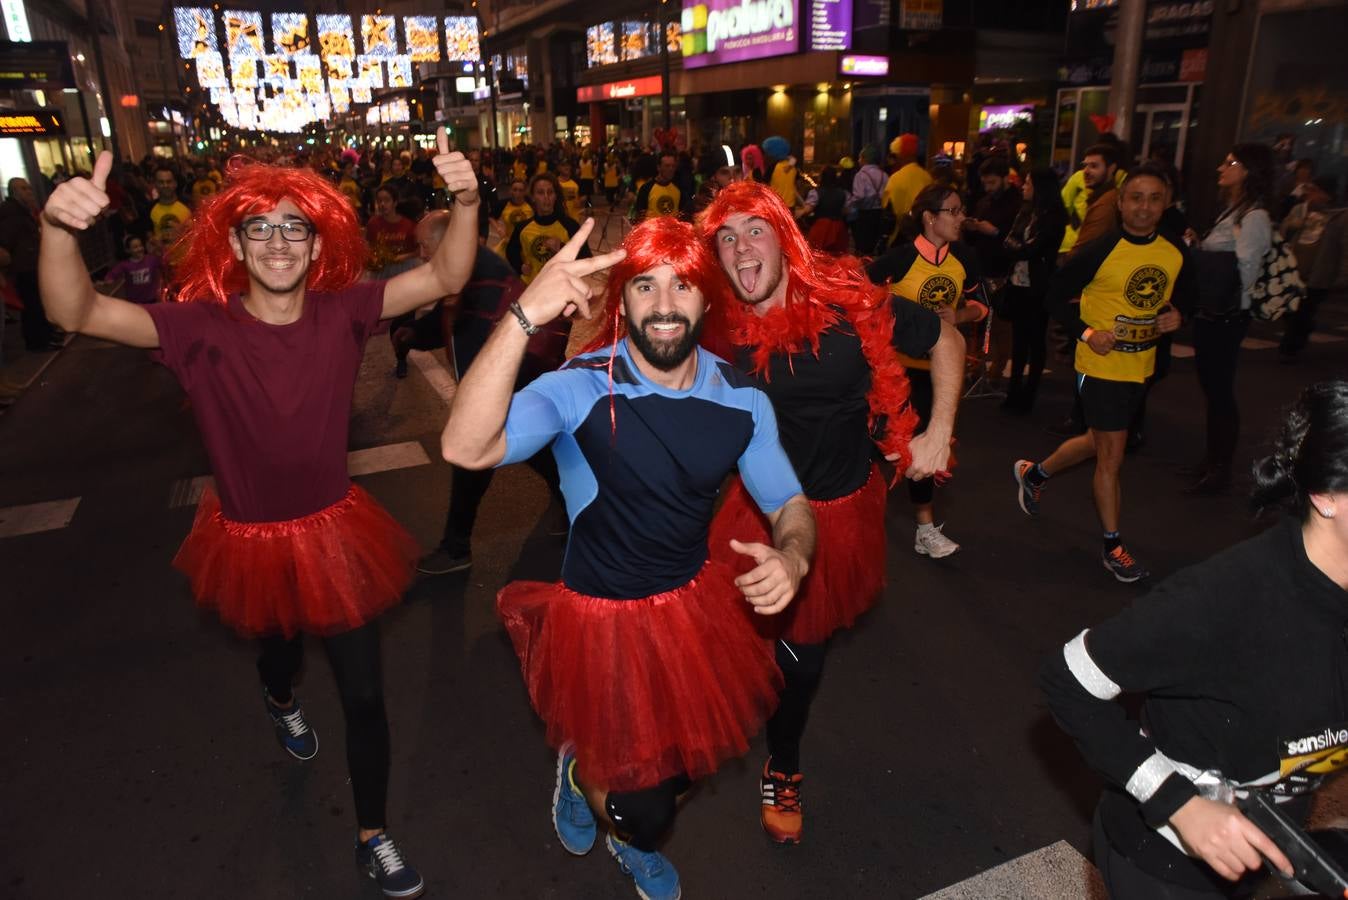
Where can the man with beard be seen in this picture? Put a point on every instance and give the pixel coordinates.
(264, 350)
(639, 659)
(1099, 167)
(535, 240)
(823, 342)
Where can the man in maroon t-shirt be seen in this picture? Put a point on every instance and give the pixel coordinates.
(268, 354)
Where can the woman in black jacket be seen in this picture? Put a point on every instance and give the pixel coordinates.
(1243, 670)
(1033, 245)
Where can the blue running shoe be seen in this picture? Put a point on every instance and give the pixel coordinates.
(655, 877)
(1027, 493)
(380, 859)
(292, 729)
(571, 815)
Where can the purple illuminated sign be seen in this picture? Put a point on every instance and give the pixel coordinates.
(830, 24)
(861, 65)
(722, 31)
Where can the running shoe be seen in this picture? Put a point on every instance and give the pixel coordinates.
(1026, 494)
(380, 858)
(1120, 563)
(572, 817)
(655, 876)
(442, 562)
(781, 812)
(931, 542)
(292, 729)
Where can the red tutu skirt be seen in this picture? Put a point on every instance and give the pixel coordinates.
(325, 573)
(848, 570)
(671, 684)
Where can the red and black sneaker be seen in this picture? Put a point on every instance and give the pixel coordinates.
(780, 812)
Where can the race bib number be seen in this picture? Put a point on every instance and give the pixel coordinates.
(1134, 334)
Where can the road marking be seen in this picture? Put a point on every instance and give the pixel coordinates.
(429, 365)
(1257, 344)
(386, 458)
(1057, 870)
(37, 517)
(406, 455)
(1318, 338)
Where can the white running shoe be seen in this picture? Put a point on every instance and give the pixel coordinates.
(931, 542)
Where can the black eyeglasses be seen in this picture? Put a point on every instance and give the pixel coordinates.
(259, 230)
(953, 210)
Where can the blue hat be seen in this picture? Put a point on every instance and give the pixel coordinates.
(777, 147)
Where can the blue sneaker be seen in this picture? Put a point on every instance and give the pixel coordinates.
(382, 861)
(572, 817)
(292, 729)
(655, 877)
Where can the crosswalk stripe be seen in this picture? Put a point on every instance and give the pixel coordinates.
(390, 456)
(370, 461)
(37, 517)
(435, 374)
(1057, 870)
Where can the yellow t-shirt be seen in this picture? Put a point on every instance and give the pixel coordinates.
(932, 285)
(1133, 281)
(784, 182)
(518, 170)
(536, 246)
(351, 190)
(165, 217)
(512, 215)
(587, 168)
(203, 188)
(611, 175)
(571, 194)
(902, 189)
(663, 200)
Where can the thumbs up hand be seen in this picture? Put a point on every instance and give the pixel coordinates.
(77, 203)
(455, 170)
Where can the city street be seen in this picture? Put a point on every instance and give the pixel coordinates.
(140, 761)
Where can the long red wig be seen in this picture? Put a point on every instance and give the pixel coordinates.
(208, 269)
(663, 240)
(821, 289)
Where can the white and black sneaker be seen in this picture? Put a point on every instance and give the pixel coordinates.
(292, 729)
(381, 860)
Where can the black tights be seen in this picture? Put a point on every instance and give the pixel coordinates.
(1216, 354)
(802, 666)
(354, 656)
(644, 816)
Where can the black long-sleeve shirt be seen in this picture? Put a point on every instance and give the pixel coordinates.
(1244, 666)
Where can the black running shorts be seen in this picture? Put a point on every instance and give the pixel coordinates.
(1109, 405)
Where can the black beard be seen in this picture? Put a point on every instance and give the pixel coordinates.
(665, 356)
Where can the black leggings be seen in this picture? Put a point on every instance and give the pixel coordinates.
(1029, 343)
(1216, 353)
(354, 656)
(919, 382)
(644, 816)
(802, 666)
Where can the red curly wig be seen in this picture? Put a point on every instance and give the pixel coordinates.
(663, 240)
(208, 269)
(821, 289)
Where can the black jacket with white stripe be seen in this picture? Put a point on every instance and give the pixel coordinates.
(1243, 662)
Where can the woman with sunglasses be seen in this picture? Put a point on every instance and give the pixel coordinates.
(938, 271)
(1232, 255)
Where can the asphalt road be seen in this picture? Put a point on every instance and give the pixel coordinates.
(139, 762)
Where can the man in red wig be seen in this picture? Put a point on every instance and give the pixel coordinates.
(639, 659)
(268, 350)
(822, 342)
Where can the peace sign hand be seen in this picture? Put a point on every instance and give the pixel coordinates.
(455, 170)
(560, 288)
(78, 202)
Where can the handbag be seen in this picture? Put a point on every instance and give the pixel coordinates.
(1277, 288)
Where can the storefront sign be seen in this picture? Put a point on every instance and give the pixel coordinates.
(31, 121)
(620, 90)
(995, 118)
(722, 31)
(830, 24)
(861, 65)
(920, 15)
(1193, 64)
(35, 65)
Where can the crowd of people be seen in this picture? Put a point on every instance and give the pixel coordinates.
(774, 351)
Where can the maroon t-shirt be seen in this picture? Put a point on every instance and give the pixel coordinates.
(273, 402)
